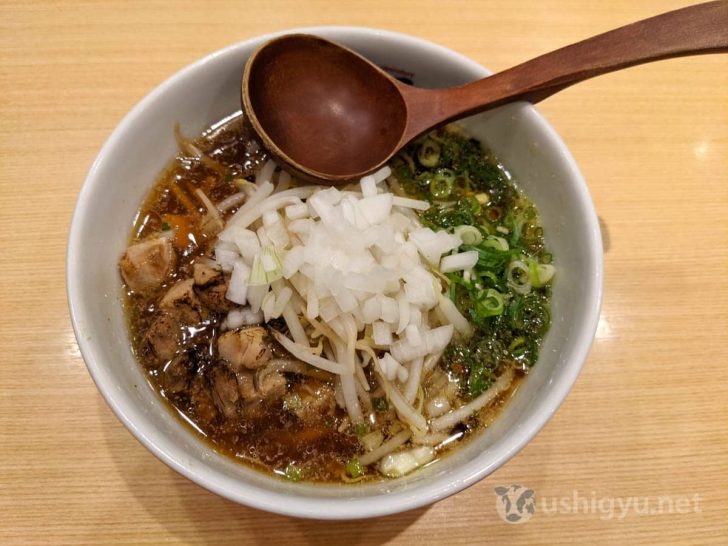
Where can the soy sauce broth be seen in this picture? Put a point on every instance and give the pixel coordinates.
(266, 436)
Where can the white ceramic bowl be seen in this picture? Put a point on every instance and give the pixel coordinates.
(207, 91)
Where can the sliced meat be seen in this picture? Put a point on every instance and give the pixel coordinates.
(246, 385)
(270, 384)
(177, 373)
(266, 384)
(145, 266)
(201, 400)
(211, 285)
(203, 274)
(316, 401)
(213, 297)
(178, 307)
(163, 336)
(246, 348)
(182, 302)
(225, 393)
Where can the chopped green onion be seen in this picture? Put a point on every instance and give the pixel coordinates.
(490, 304)
(520, 340)
(355, 469)
(165, 226)
(429, 153)
(360, 429)
(294, 473)
(519, 277)
(483, 198)
(493, 241)
(470, 235)
(494, 213)
(503, 295)
(540, 274)
(463, 182)
(292, 402)
(380, 405)
(475, 206)
(441, 185)
(481, 377)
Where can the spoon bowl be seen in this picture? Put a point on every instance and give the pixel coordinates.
(332, 116)
(323, 106)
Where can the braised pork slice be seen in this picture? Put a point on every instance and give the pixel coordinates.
(178, 308)
(163, 336)
(246, 386)
(246, 348)
(315, 400)
(202, 403)
(182, 303)
(225, 393)
(270, 384)
(146, 265)
(211, 285)
(177, 374)
(265, 384)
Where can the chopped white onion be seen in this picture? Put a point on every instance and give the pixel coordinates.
(368, 186)
(296, 212)
(382, 174)
(237, 291)
(459, 262)
(243, 316)
(408, 203)
(256, 293)
(382, 334)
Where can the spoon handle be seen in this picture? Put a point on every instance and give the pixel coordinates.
(694, 30)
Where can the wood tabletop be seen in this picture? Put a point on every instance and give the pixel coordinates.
(637, 454)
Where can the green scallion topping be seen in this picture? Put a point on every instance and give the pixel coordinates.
(360, 429)
(429, 153)
(441, 184)
(380, 405)
(506, 294)
(294, 473)
(355, 469)
(490, 303)
(469, 235)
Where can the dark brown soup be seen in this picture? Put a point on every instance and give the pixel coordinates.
(221, 369)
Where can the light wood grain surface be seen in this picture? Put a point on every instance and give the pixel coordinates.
(648, 416)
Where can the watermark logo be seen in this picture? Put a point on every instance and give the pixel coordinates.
(515, 504)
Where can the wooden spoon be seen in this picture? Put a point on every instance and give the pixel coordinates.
(332, 116)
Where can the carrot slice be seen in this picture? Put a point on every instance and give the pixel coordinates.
(182, 226)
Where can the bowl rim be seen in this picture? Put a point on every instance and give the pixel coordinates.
(359, 507)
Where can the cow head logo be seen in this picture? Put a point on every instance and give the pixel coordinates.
(515, 504)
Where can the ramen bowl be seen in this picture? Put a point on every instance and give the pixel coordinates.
(209, 90)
